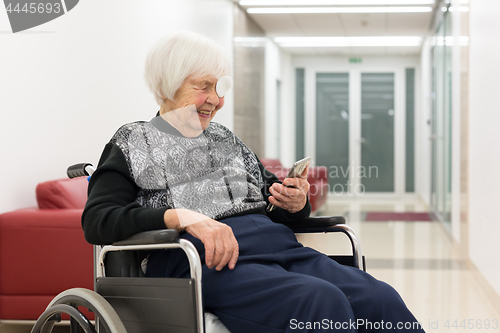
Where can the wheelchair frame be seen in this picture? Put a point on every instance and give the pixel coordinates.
(112, 309)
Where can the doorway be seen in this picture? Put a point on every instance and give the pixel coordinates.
(355, 125)
(373, 170)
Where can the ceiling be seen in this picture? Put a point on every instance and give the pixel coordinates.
(347, 25)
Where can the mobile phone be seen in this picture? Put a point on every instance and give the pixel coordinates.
(295, 171)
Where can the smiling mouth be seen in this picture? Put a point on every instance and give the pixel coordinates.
(205, 112)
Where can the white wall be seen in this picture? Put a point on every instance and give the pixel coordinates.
(484, 159)
(272, 74)
(424, 130)
(287, 143)
(66, 86)
(279, 68)
(455, 125)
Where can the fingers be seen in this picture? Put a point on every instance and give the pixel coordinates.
(226, 249)
(228, 255)
(292, 188)
(221, 247)
(234, 257)
(304, 173)
(291, 206)
(209, 244)
(297, 183)
(291, 195)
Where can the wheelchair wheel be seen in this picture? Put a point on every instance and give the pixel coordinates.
(67, 302)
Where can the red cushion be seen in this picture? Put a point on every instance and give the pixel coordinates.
(23, 307)
(271, 164)
(274, 166)
(43, 252)
(319, 172)
(62, 193)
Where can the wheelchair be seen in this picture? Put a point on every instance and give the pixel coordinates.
(125, 300)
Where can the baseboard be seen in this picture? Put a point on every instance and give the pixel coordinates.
(490, 292)
(16, 326)
(24, 326)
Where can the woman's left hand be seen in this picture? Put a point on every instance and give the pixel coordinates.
(292, 194)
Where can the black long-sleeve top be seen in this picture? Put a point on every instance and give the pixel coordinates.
(149, 167)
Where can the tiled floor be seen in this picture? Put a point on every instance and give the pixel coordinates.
(420, 260)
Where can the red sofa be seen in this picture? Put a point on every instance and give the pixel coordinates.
(43, 251)
(317, 178)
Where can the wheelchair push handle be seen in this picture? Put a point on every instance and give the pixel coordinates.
(80, 170)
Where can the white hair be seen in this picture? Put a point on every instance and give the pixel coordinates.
(177, 56)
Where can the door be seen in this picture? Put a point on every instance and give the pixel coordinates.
(441, 123)
(332, 127)
(355, 135)
(377, 132)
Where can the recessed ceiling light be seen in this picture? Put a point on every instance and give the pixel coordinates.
(348, 41)
(327, 10)
(334, 2)
(250, 41)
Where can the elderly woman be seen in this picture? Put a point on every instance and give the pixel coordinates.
(182, 171)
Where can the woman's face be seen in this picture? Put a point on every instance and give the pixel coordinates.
(198, 92)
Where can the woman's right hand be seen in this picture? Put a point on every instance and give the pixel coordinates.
(221, 247)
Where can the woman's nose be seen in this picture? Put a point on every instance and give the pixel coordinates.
(213, 98)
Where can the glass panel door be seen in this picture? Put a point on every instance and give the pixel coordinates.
(447, 120)
(410, 130)
(441, 123)
(433, 138)
(355, 131)
(299, 113)
(377, 132)
(332, 128)
(439, 127)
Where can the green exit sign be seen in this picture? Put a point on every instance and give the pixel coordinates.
(355, 60)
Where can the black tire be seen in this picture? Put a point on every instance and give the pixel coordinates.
(68, 302)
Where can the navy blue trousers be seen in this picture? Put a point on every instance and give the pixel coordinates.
(278, 285)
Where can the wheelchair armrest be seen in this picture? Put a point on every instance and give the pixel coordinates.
(155, 240)
(150, 237)
(331, 224)
(317, 224)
